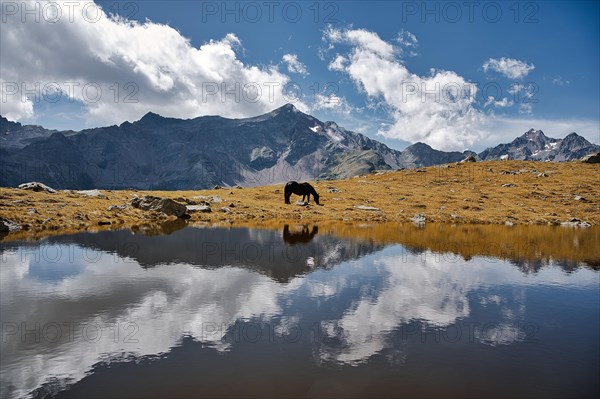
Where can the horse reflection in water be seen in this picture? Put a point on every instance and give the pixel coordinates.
(299, 236)
(303, 236)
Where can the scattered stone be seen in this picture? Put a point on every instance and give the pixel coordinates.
(301, 203)
(7, 226)
(509, 185)
(225, 210)
(199, 208)
(238, 187)
(421, 171)
(217, 187)
(591, 158)
(36, 186)
(210, 199)
(574, 222)
(334, 190)
(580, 198)
(509, 223)
(367, 208)
(232, 205)
(418, 219)
(542, 174)
(455, 216)
(470, 158)
(117, 207)
(103, 223)
(164, 205)
(91, 193)
(32, 211)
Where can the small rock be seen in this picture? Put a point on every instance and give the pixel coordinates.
(103, 223)
(36, 186)
(418, 219)
(208, 198)
(334, 190)
(232, 205)
(198, 208)
(32, 211)
(509, 223)
(573, 222)
(117, 207)
(541, 175)
(509, 185)
(580, 198)
(164, 205)
(225, 210)
(470, 158)
(455, 216)
(238, 187)
(92, 193)
(367, 208)
(301, 203)
(7, 226)
(217, 187)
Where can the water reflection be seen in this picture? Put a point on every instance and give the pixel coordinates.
(301, 235)
(89, 309)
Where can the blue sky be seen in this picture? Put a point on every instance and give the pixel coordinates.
(398, 64)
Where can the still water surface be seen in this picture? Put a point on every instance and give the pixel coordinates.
(293, 312)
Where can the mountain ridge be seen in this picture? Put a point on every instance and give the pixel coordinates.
(157, 152)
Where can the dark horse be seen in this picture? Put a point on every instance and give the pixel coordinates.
(303, 189)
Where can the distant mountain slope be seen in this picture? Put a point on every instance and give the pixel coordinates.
(167, 153)
(422, 154)
(174, 154)
(535, 145)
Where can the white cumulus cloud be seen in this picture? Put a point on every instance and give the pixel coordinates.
(293, 65)
(120, 69)
(509, 67)
(437, 109)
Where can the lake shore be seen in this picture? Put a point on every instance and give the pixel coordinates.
(492, 192)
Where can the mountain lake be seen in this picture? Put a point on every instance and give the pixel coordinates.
(303, 311)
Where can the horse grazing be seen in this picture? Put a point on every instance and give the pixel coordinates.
(303, 189)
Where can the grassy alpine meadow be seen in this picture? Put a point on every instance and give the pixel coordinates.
(492, 192)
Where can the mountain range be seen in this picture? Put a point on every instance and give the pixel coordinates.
(159, 153)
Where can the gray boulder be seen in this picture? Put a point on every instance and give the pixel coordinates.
(199, 208)
(164, 205)
(92, 193)
(591, 158)
(37, 186)
(7, 226)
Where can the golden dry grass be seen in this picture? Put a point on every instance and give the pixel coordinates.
(470, 193)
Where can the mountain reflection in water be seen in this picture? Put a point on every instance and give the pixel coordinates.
(300, 312)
